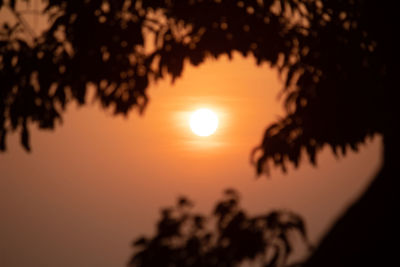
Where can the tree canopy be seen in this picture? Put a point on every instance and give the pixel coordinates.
(336, 61)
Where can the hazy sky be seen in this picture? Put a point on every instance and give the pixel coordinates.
(98, 181)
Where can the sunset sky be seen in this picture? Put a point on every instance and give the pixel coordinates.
(97, 182)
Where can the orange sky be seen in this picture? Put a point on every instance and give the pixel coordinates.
(97, 182)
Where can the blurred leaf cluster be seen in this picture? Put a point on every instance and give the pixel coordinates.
(185, 238)
(336, 58)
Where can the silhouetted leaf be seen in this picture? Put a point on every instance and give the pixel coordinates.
(3, 140)
(12, 4)
(25, 138)
(184, 202)
(140, 242)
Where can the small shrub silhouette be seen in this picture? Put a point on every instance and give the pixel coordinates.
(184, 238)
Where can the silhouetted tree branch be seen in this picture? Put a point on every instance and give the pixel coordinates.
(184, 238)
(337, 63)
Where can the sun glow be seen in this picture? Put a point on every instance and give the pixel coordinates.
(204, 122)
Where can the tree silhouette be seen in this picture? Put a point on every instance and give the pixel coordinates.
(183, 238)
(338, 59)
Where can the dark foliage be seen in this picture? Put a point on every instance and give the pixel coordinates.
(337, 63)
(184, 238)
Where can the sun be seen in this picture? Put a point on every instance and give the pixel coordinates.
(204, 122)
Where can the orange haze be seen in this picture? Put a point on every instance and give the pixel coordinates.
(97, 182)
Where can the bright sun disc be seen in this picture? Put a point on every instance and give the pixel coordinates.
(204, 122)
